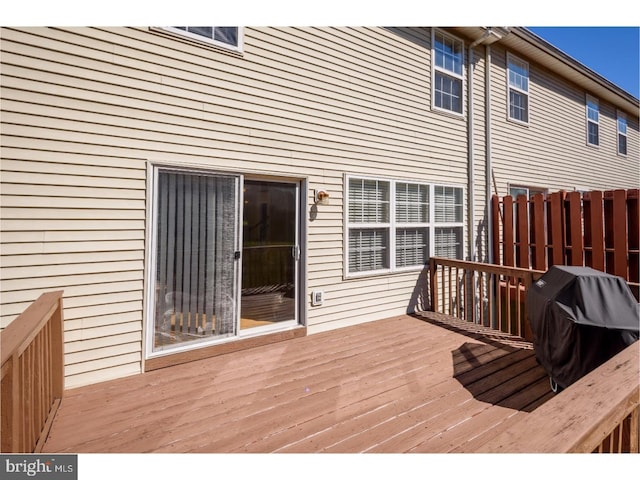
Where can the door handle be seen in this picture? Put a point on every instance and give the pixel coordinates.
(295, 252)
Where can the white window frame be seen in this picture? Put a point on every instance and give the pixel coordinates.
(516, 60)
(621, 117)
(587, 108)
(449, 73)
(200, 38)
(392, 226)
(530, 191)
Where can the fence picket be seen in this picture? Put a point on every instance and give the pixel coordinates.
(594, 230)
(538, 233)
(508, 242)
(522, 232)
(556, 230)
(574, 236)
(633, 215)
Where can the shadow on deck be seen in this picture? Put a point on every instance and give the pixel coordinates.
(502, 370)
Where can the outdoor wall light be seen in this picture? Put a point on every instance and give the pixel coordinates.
(322, 197)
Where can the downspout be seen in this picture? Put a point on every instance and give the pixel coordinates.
(487, 148)
(471, 234)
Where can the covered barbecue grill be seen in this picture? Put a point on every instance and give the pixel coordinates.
(580, 318)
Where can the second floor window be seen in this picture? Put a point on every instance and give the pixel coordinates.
(593, 121)
(518, 86)
(227, 37)
(622, 134)
(448, 74)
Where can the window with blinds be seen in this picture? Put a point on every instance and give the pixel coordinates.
(396, 225)
(369, 202)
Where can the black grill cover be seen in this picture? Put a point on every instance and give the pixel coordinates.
(580, 318)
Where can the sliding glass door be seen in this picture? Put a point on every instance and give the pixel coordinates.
(270, 254)
(196, 258)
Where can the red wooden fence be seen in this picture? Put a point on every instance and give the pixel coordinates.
(597, 229)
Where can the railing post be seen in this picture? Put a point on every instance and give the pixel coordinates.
(433, 284)
(57, 353)
(496, 218)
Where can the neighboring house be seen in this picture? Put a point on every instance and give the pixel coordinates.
(199, 190)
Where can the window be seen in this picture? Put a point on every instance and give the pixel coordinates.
(622, 134)
(529, 192)
(518, 78)
(369, 214)
(593, 120)
(227, 37)
(447, 72)
(396, 225)
(448, 219)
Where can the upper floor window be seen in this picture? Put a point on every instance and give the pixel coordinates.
(448, 74)
(518, 87)
(227, 37)
(622, 134)
(593, 121)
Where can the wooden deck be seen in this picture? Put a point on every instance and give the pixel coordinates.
(405, 384)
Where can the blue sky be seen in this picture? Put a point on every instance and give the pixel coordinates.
(613, 52)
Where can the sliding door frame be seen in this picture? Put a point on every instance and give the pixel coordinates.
(149, 301)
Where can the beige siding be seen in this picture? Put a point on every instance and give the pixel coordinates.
(86, 109)
(551, 151)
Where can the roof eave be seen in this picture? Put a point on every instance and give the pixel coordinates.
(525, 42)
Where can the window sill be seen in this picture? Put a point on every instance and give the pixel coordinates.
(448, 113)
(383, 273)
(518, 122)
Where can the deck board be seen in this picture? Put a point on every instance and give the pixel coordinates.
(425, 383)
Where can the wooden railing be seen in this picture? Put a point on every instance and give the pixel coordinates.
(482, 293)
(598, 413)
(32, 374)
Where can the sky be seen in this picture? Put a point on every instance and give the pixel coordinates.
(613, 52)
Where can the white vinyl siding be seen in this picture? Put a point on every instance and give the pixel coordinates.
(389, 226)
(621, 125)
(448, 72)
(518, 89)
(592, 110)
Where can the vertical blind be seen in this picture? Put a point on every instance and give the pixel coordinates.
(196, 243)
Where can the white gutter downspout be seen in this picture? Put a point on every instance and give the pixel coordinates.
(487, 147)
(470, 146)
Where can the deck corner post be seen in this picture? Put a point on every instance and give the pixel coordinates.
(58, 350)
